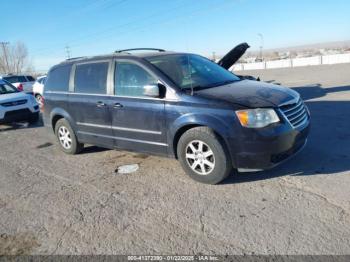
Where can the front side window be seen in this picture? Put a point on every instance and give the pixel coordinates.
(58, 79)
(192, 71)
(131, 79)
(91, 78)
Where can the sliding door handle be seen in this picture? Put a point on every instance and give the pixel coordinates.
(117, 105)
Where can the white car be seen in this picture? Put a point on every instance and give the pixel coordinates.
(38, 89)
(16, 106)
(21, 82)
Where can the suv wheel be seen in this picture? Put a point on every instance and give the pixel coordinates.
(203, 155)
(66, 138)
(39, 100)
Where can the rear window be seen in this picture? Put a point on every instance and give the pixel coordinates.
(58, 79)
(15, 79)
(91, 78)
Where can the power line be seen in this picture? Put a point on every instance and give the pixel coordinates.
(159, 22)
(138, 19)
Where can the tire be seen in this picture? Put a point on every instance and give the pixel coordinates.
(39, 100)
(34, 118)
(66, 138)
(206, 167)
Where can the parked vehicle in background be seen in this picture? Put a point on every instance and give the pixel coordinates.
(16, 106)
(21, 82)
(38, 89)
(178, 105)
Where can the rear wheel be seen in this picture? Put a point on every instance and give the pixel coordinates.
(66, 137)
(203, 156)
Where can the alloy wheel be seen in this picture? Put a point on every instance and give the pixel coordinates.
(64, 137)
(200, 157)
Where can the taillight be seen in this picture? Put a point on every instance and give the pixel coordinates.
(20, 87)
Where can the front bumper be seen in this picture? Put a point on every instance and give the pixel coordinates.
(262, 150)
(19, 115)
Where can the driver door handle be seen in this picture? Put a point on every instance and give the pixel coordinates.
(100, 104)
(117, 105)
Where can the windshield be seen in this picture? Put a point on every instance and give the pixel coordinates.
(6, 88)
(192, 71)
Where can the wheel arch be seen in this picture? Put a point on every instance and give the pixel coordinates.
(57, 114)
(189, 122)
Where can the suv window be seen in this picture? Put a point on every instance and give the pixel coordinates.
(42, 80)
(58, 78)
(130, 79)
(15, 79)
(91, 78)
(30, 78)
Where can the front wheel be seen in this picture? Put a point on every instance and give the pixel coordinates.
(66, 138)
(203, 156)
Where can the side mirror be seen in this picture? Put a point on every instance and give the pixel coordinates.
(151, 90)
(156, 90)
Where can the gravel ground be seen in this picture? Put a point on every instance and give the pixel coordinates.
(52, 203)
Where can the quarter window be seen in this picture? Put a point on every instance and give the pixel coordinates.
(130, 79)
(58, 79)
(91, 78)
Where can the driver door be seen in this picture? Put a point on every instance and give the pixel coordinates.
(138, 121)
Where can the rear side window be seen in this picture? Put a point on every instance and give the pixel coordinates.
(15, 79)
(91, 78)
(58, 79)
(30, 78)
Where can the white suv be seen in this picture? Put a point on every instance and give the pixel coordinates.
(16, 106)
(21, 82)
(38, 89)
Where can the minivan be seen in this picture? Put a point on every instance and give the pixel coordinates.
(177, 105)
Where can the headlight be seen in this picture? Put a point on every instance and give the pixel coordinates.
(256, 118)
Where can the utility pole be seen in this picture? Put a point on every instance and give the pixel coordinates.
(4, 50)
(214, 57)
(261, 46)
(67, 51)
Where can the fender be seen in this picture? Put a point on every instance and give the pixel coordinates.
(220, 127)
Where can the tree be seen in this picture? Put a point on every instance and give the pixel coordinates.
(14, 58)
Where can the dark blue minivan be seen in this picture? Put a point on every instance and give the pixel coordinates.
(178, 105)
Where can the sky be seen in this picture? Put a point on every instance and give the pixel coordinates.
(91, 27)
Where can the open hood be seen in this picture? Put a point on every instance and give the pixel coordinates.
(233, 56)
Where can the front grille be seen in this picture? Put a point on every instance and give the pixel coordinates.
(295, 113)
(14, 103)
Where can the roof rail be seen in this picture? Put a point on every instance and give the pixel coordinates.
(138, 49)
(74, 58)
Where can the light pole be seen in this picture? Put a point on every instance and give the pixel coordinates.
(261, 45)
